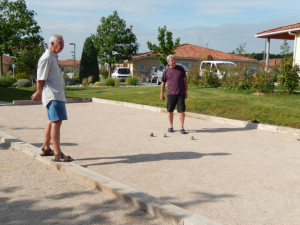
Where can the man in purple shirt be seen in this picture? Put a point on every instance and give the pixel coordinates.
(175, 76)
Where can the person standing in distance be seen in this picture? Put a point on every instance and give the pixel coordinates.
(176, 78)
(51, 91)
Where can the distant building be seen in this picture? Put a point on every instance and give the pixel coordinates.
(288, 32)
(7, 63)
(68, 65)
(190, 56)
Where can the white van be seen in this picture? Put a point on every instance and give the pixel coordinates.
(215, 66)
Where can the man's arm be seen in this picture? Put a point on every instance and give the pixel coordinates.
(37, 96)
(185, 87)
(162, 90)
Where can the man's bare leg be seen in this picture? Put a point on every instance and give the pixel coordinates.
(171, 116)
(55, 136)
(181, 119)
(47, 136)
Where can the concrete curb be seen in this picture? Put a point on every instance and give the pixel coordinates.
(238, 123)
(68, 100)
(143, 201)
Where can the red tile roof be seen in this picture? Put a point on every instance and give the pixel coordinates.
(280, 32)
(273, 62)
(196, 52)
(68, 62)
(6, 59)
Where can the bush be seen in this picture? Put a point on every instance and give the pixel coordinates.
(110, 81)
(6, 81)
(193, 77)
(263, 82)
(131, 81)
(69, 81)
(104, 73)
(237, 80)
(209, 79)
(22, 75)
(288, 75)
(24, 83)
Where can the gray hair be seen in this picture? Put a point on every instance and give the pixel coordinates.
(54, 38)
(170, 57)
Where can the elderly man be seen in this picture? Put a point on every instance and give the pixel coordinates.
(175, 76)
(51, 90)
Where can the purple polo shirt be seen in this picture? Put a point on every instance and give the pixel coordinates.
(174, 77)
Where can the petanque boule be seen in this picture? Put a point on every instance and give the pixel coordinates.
(164, 134)
(192, 138)
(151, 134)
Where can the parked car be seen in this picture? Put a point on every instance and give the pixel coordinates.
(216, 66)
(151, 75)
(121, 73)
(161, 69)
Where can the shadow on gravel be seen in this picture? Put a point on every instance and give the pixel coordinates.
(218, 130)
(14, 211)
(39, 145)
(152, 157)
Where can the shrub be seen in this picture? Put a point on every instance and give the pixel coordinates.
(117, 82)
(24, 83)
(22, 75)
(263, 82)
(209, 79)
(89, 80)
(110, 81)
(84, 81)
(288, 75)
(6, 81)
(237, 80)
(69, 81)
(104, 73)
(131, 81)
(193, 77)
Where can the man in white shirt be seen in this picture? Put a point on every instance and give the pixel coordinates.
(51, 90)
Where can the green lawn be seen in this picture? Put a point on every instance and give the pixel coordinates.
(276, 109)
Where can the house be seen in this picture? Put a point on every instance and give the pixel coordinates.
(288, 32)
(68, 65)
(7, 63)
(190, 56)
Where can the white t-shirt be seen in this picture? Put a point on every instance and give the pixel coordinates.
(49, 71)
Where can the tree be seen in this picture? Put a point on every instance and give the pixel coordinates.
(89, 62)
(113, 41)
(166, 45)
(17, 27)
(285, 49)
(241, 49)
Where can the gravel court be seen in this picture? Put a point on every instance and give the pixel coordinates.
(228, 174)
(33, 193)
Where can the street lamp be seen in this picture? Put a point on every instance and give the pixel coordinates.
(74, 58)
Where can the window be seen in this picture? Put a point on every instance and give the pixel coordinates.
(142, 68)
(62, 69)
(186, 64)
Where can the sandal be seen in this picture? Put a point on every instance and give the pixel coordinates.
(47, 152)
(62, 158)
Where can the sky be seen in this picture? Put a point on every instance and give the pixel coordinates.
(215, 24)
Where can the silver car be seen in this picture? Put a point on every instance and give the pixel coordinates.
(151, 75)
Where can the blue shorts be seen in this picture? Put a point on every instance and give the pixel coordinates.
(56, 110)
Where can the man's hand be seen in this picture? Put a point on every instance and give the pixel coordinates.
(162, 97)
(185, 96)
(36, 97)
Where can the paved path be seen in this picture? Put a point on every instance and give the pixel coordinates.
(228, 174)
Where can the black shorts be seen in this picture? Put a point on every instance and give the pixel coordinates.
(174, 100)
